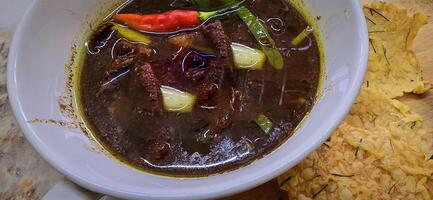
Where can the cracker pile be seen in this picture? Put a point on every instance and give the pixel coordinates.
(382, 150)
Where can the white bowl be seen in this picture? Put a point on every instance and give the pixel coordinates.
(36, 80)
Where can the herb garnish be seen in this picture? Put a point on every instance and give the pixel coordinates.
(372, 10)
(357, 148)
(370, 20)
(384, 54)
(318, 192)
(285, 181)
(413, 125)
(342, 175)
(391, 189)
(372, 45)
(381, 31)
(407, 38)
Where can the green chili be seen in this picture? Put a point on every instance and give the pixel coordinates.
(301, 37)
(265, 123)
(261, 34)
(130, 34)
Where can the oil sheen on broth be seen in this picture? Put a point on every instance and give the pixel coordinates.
(230, 115)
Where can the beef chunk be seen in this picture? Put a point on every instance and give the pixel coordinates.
(127, 54)
(143, 75)
(215, 32)
(222, 67)
(144, 53)
(223, 119)
(195, 74)
(209, 87)
(124, 48)
(160, 146)
(121, 62)
(206, 92)
(195, 65)
(100, 37)
(183, 40)
(124, 55)
(189, 65)
(158, 150)
(190, 70)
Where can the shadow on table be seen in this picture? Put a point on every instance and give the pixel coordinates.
(267, 191)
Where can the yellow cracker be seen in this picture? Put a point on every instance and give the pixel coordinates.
(381, 151)
(393, 67)
(368, 162)
(374, 111)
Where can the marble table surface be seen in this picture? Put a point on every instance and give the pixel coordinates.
(23, 174)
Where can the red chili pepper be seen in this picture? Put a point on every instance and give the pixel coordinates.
(169, 21)
(163, 22)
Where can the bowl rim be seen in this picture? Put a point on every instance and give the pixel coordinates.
(259, 179)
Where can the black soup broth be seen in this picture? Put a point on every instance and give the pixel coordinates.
(178, 105)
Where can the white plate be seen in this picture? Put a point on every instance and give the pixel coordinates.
(36, 79)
